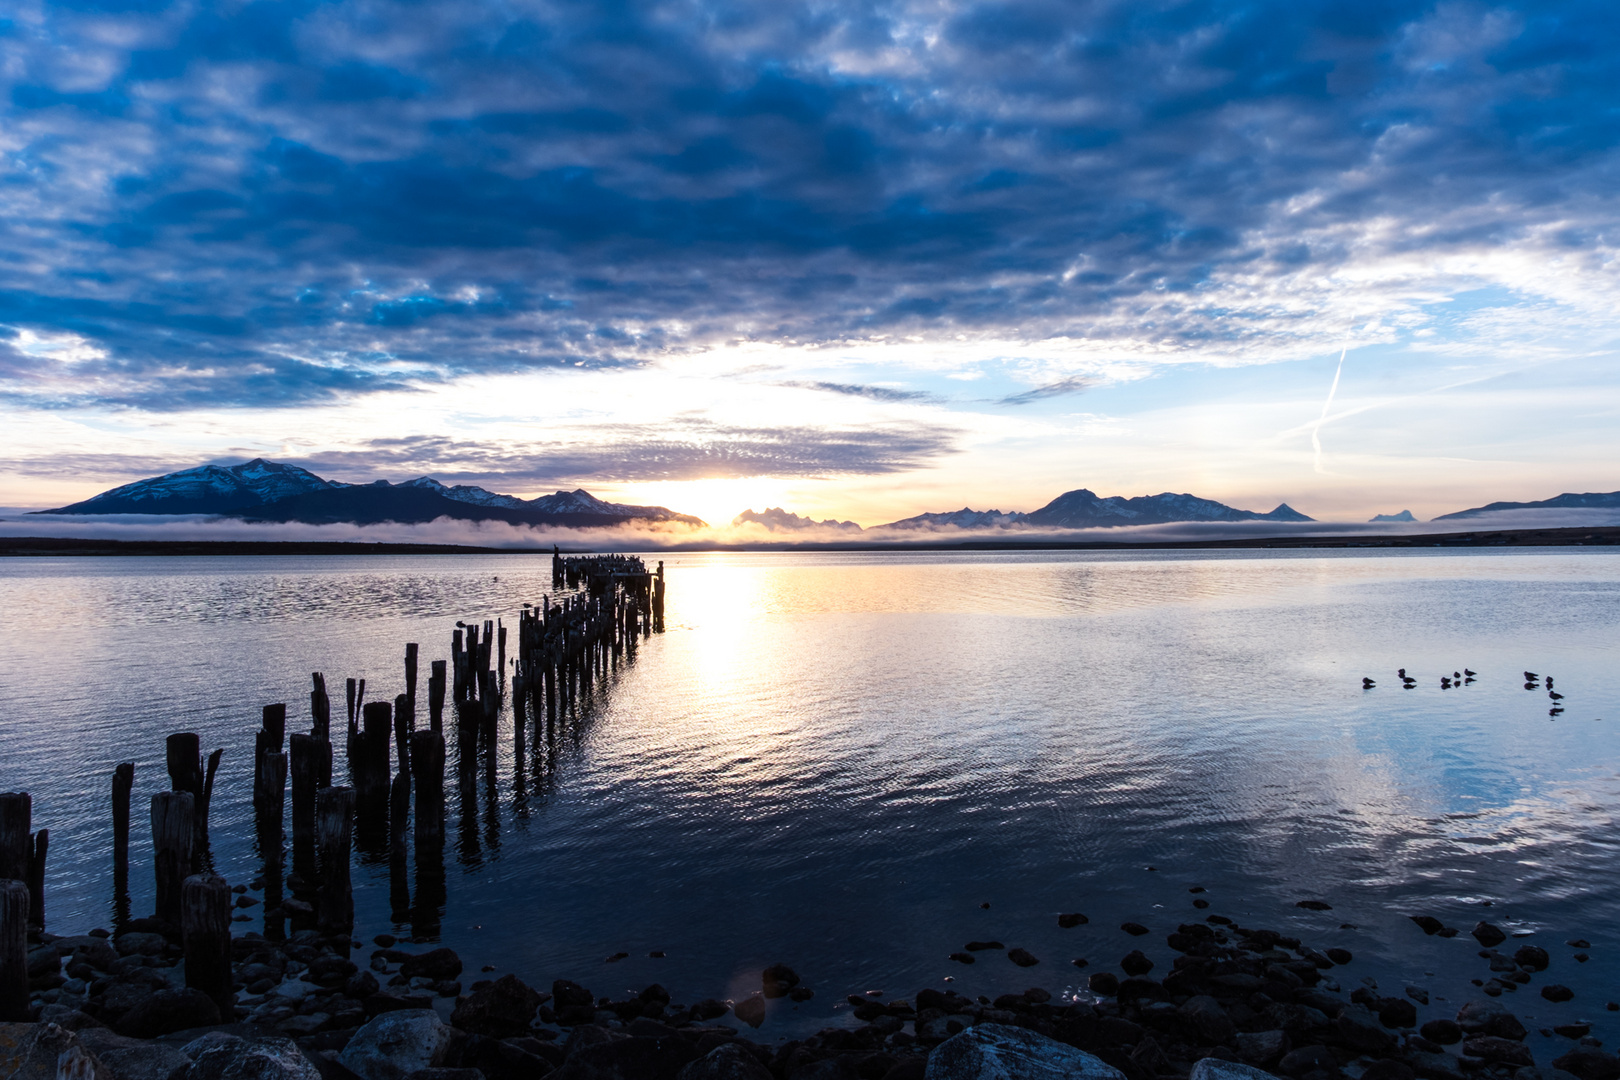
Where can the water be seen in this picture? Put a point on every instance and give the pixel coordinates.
(834, 760)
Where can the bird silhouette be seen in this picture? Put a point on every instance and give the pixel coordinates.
(1531, 676)
(1456, 675)
(1555, 696)
(1445, 683)
(1366, 683)
(1470, 674)
(1549, 682)
(1401, 673)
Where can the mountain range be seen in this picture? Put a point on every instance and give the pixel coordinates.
(262, 490)
(1079, 509)
(1590, 500)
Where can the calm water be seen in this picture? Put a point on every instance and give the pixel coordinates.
(834, 760)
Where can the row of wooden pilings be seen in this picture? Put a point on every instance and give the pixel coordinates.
(563, 647)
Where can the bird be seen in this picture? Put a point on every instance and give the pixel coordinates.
(1366, 683)
(1455, 675)
(1401, 673)
(1531, 676)
(1531, 686)
(1555, 696)
(1549, 682)
(1470, 674)
(1556, 710)
(1445, 683)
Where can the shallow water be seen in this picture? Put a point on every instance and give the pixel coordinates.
(833, 760)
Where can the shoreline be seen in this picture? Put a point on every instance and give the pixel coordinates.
(1575, 536)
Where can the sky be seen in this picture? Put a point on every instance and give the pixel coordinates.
(861, 260)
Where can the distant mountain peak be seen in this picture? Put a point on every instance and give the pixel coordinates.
(1569, 500)
(1404, 515)
(776, 519)
(1083, 509)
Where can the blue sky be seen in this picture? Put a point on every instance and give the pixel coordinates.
(861, 259)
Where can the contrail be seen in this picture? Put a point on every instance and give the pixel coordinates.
(1316, 429)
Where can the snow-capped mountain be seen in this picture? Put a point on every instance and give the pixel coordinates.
(1589, 500)
(207, 489)
(777, 519)
(269, 491)
(1403, 516)
(964, 518)
(1084, 509)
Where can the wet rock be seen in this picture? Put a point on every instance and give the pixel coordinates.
(496, 1059)
(361, 984)
(1263, 1047)
(1360, 1030)
(1489, 1018)
(1388, 1069)
(1444, 1032)
(1428, 923)
(68, 1017)
(1340, 956)
(727, 1061)
(1498, 1050)
(1488, 935)
(447, 1074)
(709, 1009)
(504, 1009)
(1555, 992)
(135, 1059)
(1139, 989)
(1204, 1016)
(232, 1058)
(963, 957)
(1418, 994)
(1105, 983)
(47, 1051)
(1135, 962)
(1215, 1069)
(1397, 1013)
(141, 944)
(1573, 1031)
(1071, 920)
(438, 964)
(1532, 1072)
(999, 1052)
(981, 946)
(164, 1012)
(626, 1059)
(1532, 958)
(777, 980)
(750, 1010)
(1134, 929)
(1308, 1059)
(1022, 957)
(937, 1028)
(396, 1044)
(1589, 1063)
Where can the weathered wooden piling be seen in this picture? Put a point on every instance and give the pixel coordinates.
(311, 771)
(410, 670)
(427, 755)
(404, 724)
(334, 812)
(349, 695)
(270, 789)
(205, 935)
(270, 740)
(183, 753)
(369, 756)
(500, 657)
(13, 951)
(436, 696)
(173, 832)
(272, 731)
(16, 821)
(37, 850)
(320, 707)
(123, 782)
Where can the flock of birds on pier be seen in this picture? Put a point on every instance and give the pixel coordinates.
(1532, 681)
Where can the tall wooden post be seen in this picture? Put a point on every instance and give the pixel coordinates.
(436, 696)
(427, 754)
(16, 823)
(172, 837)
(123, 782)
(13, 951)
(320, 707)
(205, 934)
(334, 814)
(36, 877)
(410, 670)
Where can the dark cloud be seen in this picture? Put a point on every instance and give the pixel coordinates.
(873, 393)
(1051, 390)
(268, 204)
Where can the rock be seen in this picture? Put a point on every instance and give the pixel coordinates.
(727, 1061)
(396, 1044)
(1022, 957)
(1555, 993)
(68, 1017)
(447, 1074)
(626, 1059)
(1531, 1072)
(1428, 923)
(1314, 905)
(1397, 1013)
(438, 965)
(1134, 929)
(1360, 1030)
(1216, 1069)
(1340, 956)
(1389, 1069)
(1573, 1031)
(777, 980)
(1489, 1018)
(234, 1058)
(361, 984)
(1205, 1016)
(963, 958)
(998, 1052)
(47, 1052)
(709, 1009)
(505, 1009)
(497, 1059)
(164, 1012)
(1418, 994)
(1135, 962)
(750, 1010)
(141, 944)
(1589, 1063)
(1488, 935)
(135, 1059)
(1262, 1047)
(1532, 958)
(1308, 1059)
(1071, 920)
(1444, 1032)
(1498, 1050)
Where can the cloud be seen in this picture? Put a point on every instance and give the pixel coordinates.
(1060, 388)
(271, 205)
(873, 393)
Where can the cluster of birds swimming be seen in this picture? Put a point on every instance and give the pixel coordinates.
(1532, 681)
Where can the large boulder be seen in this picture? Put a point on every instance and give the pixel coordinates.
(234, 1058)
(1589, 1063)
(135, 1059)
(164, 1012)
(998, 1052)
(1217, 1069)
(47, 1052)
(1487, 1017)
(505, 1008)
(727, 1061)
(1204, 1015)
(396, 1044)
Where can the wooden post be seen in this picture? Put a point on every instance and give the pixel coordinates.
(13, 952)
(348, 693)
(371, 770)
(334, 813)
(272, 730)
(427, 754)
(404, 724)
(205, 934)
(36, 877)
(311, 771)
(16, 821)
(410, 670)
(172, 834)
(270, 788)
(201, 855)
(123, 782)
(184, 756)
(500, 646)
(436, 696)
(320, 707)
(399, 812)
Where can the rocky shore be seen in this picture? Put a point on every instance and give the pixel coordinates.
(1235, 1004)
